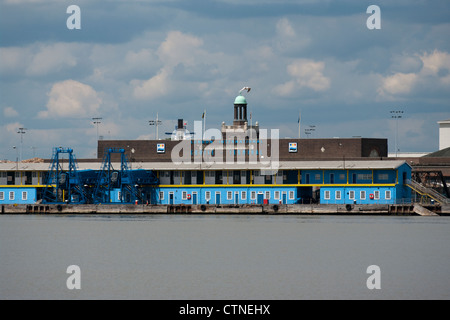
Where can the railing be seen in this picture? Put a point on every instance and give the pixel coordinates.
(433, 194)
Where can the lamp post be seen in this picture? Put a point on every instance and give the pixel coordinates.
(21, 132)
(155, 123)
(96, 121)
(396, 114)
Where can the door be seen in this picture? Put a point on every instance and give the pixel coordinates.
(194, 197)
(260, 198)
(284, 198)
(217, 197)
(307, 178)
(236, 197)
(354, 178)
(170, 197)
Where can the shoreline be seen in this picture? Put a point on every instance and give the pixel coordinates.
(271, 209)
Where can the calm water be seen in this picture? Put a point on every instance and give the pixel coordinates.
(224, 257)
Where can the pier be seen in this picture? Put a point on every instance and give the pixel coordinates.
(273, 209)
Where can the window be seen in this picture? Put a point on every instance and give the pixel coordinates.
(364, 176)
(387, 195)
(229, 195)
(342, 176)
(338, 195)
(362, 195)
(2, 196)
(317, 176)
(161, 195)
(327, 195)
(267, 194)
(11, 195)
(17, 174)
(291, 195)
(208, 195)
(383, 176)
(184, 195)
(277, 195)
(244, 195)
(351, 195)
(34, 174)
(24, 195)
(253, 195)
(377, 195)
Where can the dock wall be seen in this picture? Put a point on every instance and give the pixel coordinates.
(315, 209)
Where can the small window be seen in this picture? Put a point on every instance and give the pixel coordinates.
(362, 195)
(244, 195)
(184, 195)
(317, 176)
(229, 195)
(11, 195)
(351, 195)
(2, 196)
(388, 194)
(338, 195)
(267, 195)
(253, 195)
(327, 195)
(161, 195)
(383, 176)
(277, 195)
(24, 195)
(291, 195)
(208, 195)
(377, 195)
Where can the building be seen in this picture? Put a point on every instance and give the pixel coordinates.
(238, 164)
(444, 134)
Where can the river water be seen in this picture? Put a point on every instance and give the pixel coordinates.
(224, 257)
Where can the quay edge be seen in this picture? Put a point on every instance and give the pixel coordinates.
(293, 209)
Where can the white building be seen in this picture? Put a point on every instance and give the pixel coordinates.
(444, 134)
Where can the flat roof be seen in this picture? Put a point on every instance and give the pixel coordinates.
(282, 165)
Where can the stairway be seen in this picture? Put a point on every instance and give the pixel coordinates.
(419, 188)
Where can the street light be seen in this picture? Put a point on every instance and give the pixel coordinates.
(155, 123)
(96, 121)
(21, 132)
(396, 114)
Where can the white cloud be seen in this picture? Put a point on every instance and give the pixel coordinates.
(152, 88)
(434, 73)
(71, 99)
(399, 83)
(306, 73)
(9, 112)
(52, 58)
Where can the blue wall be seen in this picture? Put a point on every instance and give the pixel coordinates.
(220, 195)
(18, 194)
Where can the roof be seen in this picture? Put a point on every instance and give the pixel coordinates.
(240, 100)
(444, 153)
(282, 165)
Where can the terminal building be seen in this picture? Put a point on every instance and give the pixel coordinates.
(240, 164)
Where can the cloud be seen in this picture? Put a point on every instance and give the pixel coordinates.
(71, 99)
(9, 112)
(434, 74)
(52, 58)
(152, 88)
(306, 73)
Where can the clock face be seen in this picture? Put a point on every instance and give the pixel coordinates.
(341, 68)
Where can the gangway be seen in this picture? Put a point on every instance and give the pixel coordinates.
(427, 192)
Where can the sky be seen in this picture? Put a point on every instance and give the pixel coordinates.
(134, 60)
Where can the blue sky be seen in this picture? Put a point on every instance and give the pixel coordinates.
(133, 59)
